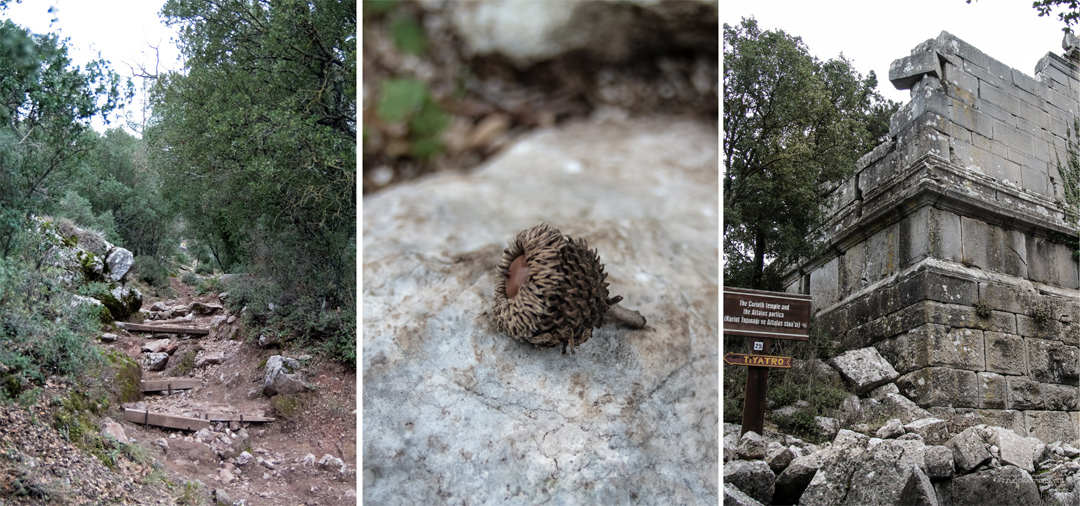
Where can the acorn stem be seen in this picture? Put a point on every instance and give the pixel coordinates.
(629, 317)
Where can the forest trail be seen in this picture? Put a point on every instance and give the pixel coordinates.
(291, 460)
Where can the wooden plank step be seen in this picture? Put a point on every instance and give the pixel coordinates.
(164, 329)
(169, 384)
(165, 420)
(232, 417)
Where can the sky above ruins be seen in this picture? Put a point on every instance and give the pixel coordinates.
(1009, 31)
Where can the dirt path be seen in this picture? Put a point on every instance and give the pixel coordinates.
(290, 461)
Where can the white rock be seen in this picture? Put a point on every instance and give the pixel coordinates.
(433, 360)
(243, 459)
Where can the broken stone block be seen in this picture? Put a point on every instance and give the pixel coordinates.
(865, 368)
(1002, 485)
(905, 72)
(157, 346)
(892, 429)
(939, 462)
(969, 449)
(934, 431)
(752, 477)
(210, 358)
(156, 361)
(752, 446)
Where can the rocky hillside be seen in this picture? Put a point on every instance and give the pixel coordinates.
(71, 439)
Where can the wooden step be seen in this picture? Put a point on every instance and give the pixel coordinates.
(163, 329)
(168, 385)
(165, 420)
(232, 417)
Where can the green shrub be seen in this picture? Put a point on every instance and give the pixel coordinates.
(190, 279)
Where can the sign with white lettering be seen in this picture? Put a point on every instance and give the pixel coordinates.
(757, 360)
(758, 313)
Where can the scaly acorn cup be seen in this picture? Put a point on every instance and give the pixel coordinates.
(551, 291)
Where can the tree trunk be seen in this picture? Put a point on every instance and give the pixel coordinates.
(759, 259)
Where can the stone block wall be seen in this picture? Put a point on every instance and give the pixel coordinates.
(947, 244)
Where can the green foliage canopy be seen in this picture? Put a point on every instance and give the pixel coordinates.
(46, 105)
(793, 128)
(256, 140)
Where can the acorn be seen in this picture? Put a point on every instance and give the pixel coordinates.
(550, 290)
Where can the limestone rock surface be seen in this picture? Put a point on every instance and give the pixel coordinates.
(865, 368)
(455, 411)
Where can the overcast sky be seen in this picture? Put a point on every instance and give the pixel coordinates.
(123, 31)
(873, 34)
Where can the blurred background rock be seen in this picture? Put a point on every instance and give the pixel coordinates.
(447, 84)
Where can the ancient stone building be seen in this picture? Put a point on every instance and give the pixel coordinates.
(950, 245)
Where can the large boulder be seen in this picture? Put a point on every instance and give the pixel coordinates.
(119, 261)
(858, 469)
(1001, 485)
(283, 376)
(753, 477)
(450, 402)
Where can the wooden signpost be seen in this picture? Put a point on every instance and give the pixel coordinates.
(762, 316)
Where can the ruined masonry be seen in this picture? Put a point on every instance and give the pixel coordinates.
(949, 245)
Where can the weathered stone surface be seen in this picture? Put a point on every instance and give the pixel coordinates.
(939, 462)
(935, 386)
(156, 346)
(1003, 485)
(155, 361)
(880, 392)
(891, 430)
(861, 470)
(865, 368)
(792, 482)
(283, 376)
(210, 358)
(633, 413)
(114, 430)
(898, 406)
(752, 446)
(969, 448)
(918, 490)
(779, 457)
(933, 430)
(1053, 362)
(753, 477)
(1002, 351)
(906, 71)
(737, 497)
(993, 390)
(119, 261)
(1050, 426)
(108, 337)
(1014, 449)
(827, 427)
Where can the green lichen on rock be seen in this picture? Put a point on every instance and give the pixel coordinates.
(126, 375)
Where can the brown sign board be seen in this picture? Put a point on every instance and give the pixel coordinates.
(757, 360)
(770, 315)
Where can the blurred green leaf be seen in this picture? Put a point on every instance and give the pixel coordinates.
(400, 98)
(430, 121)
(409, 35)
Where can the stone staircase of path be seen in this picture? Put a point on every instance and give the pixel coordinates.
(159, 349)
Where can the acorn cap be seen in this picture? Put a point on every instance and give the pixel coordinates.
(550, 290)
